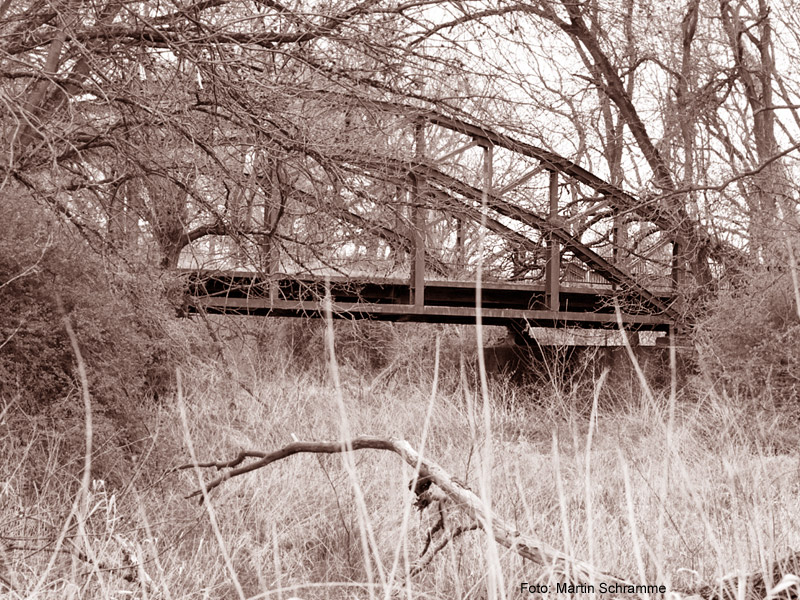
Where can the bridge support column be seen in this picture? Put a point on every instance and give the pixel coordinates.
(552, 272)
(418, 224)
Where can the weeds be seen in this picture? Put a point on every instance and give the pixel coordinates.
(656, 489)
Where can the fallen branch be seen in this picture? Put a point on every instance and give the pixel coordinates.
(459, 495)
(454, 494)
(427, 557)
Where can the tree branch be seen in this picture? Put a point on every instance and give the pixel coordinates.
(462, 498)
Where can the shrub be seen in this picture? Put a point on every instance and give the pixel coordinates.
(373, 348)
(119, 314)
(749, 342)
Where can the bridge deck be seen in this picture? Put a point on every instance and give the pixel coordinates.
(392, 300)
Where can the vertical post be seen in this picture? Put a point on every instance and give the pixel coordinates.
(678, 274)
(620, 241)
(677, 267)
(271, 252)
(418, 223)
(488, 175)
(552, 272)
(460, 242)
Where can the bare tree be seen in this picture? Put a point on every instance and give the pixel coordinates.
(283, 136)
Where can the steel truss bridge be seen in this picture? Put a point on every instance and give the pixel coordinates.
(618, 276)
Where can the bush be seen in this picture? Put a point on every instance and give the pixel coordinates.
(373, 348)
(749, 343)
(120, 316)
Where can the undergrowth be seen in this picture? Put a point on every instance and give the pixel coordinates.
(696, 482)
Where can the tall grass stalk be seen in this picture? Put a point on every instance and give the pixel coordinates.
(631, 514)
(212, 517)
(366, 534)
(402, 544)
(598, 387)
(694, 489)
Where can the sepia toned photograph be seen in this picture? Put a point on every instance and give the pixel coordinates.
(399, 299)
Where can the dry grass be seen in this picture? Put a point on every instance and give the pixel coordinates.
(622, 489)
